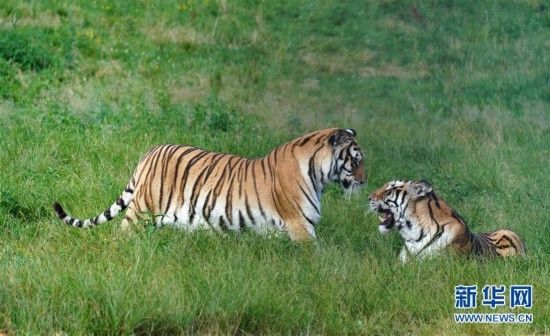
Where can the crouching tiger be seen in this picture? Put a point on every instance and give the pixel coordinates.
(428, 225)
(194, 189)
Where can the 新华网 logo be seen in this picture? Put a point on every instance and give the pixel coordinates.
(494, 296)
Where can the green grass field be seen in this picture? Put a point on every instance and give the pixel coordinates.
(456, 92)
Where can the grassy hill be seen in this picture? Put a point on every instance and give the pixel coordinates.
(454, 92)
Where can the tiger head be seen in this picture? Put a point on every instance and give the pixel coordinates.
(347, 165)
(396, 200)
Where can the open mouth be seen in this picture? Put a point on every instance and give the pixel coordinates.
(386, 220)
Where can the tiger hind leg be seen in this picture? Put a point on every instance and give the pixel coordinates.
(134, 216)
(131, 217)
(300, 230)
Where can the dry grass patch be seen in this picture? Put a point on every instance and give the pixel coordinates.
(110, 68)
(395, 71)
(536, 113)
(177, 34)
(398, 25)
(31, 18)
(190, 87)
(341, 63)
(360, 63)
(79, 96)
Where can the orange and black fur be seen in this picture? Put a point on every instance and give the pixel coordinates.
(428, 225)
(192, 189)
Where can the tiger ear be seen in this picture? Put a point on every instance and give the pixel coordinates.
(419, 189)
(341, 136)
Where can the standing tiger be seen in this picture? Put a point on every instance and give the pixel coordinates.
(428, 225)
(191, 188)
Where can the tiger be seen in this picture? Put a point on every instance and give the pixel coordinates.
(428, 225)
(191, 188)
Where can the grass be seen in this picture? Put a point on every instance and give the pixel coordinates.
(457, 93)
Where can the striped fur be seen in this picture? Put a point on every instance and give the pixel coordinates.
(194, 189)
(428, 225)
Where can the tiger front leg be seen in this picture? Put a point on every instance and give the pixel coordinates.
(404, 255)
(430, 252)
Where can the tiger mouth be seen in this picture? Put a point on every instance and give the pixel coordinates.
(386, 218)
